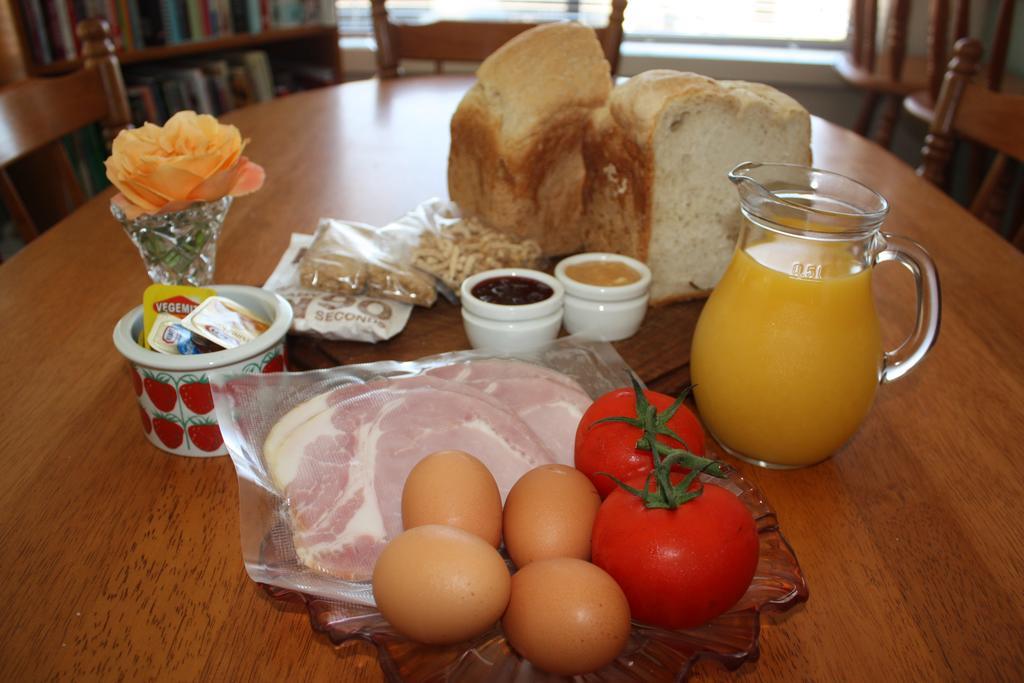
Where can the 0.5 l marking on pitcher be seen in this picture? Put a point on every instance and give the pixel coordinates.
(806, 271)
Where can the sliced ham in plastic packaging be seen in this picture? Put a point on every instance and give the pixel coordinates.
(322, 456)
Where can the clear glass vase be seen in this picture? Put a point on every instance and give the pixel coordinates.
(180, 247)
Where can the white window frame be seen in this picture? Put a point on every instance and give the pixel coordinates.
(780, 62)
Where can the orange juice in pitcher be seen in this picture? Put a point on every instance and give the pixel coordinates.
(787, 353)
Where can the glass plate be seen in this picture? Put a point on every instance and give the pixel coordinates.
(652, 654)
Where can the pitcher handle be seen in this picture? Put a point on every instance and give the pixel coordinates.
(914, 258)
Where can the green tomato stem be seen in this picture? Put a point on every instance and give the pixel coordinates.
(665, 495)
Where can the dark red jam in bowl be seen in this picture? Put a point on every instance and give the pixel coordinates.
(511, 290)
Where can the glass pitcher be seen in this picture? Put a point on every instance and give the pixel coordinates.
(787, 353)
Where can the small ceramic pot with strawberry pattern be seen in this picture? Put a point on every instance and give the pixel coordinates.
(175, 402)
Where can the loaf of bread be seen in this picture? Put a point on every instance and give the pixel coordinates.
(515, 160)
(657, 158)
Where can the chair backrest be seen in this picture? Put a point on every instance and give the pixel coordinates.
(942, 33)
(37, 112)
(864, 52)
(465, 41)
(946, 25)
(980, 114)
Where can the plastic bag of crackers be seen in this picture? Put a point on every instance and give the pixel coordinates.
(357, 282)
(333, 314)
(451, 248)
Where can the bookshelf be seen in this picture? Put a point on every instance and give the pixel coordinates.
(208, 66)
(314, 41)
(318, 43)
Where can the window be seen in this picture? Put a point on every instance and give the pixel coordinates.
(800, 21)
(747, 21)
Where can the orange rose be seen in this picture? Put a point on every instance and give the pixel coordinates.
(189, 159)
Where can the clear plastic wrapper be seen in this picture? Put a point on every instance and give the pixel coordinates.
(430, 249)
(451, 248)
(249, 406)
(333, 315)
(353, 258)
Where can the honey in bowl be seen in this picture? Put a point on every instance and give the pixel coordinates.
(602, 273)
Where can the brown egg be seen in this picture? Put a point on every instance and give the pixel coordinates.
(438, 584)
(550, 513)
(453, 488)
(566, 616)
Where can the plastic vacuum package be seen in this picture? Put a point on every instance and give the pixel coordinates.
(284, 432)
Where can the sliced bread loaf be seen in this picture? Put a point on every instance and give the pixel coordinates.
(657, 159)
(515, 161)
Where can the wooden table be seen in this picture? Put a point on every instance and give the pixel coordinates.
(121, 562)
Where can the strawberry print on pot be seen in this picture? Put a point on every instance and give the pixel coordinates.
(146, 424)
(275, 364)
(160, 389)
(169, 430)
(195, 394)
(205, 434)
(272, 361)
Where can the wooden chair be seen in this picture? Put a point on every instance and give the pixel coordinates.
(885, 75)
(464, 41)
(941, 36)
(37, 112)
(975, 112)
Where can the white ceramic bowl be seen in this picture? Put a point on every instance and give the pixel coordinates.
(511, 327)
(520, 335)
(608, 313)
(175, 403)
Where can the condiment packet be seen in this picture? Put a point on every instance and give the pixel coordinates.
(332, 315)
(176, 300)
(170, 336)
(225, 322)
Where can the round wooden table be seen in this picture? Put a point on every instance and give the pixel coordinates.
(122, 562)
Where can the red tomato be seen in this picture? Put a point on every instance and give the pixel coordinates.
(611, 446)
(678, 568)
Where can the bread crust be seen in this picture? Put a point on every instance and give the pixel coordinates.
(515, 160)
(543, 148)
(617, 189)
(638, 104)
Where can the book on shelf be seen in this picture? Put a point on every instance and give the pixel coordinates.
(195, 30)
(86, 151)
(296, 76)
(49, 25)
(53, 34)
(143, 103)
(216, 84)
(172, 89)
(152, 23)
(257, 64)
(35, 31)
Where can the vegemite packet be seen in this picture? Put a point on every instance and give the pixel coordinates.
(225, 322)
(176, 300)
(169, 336)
